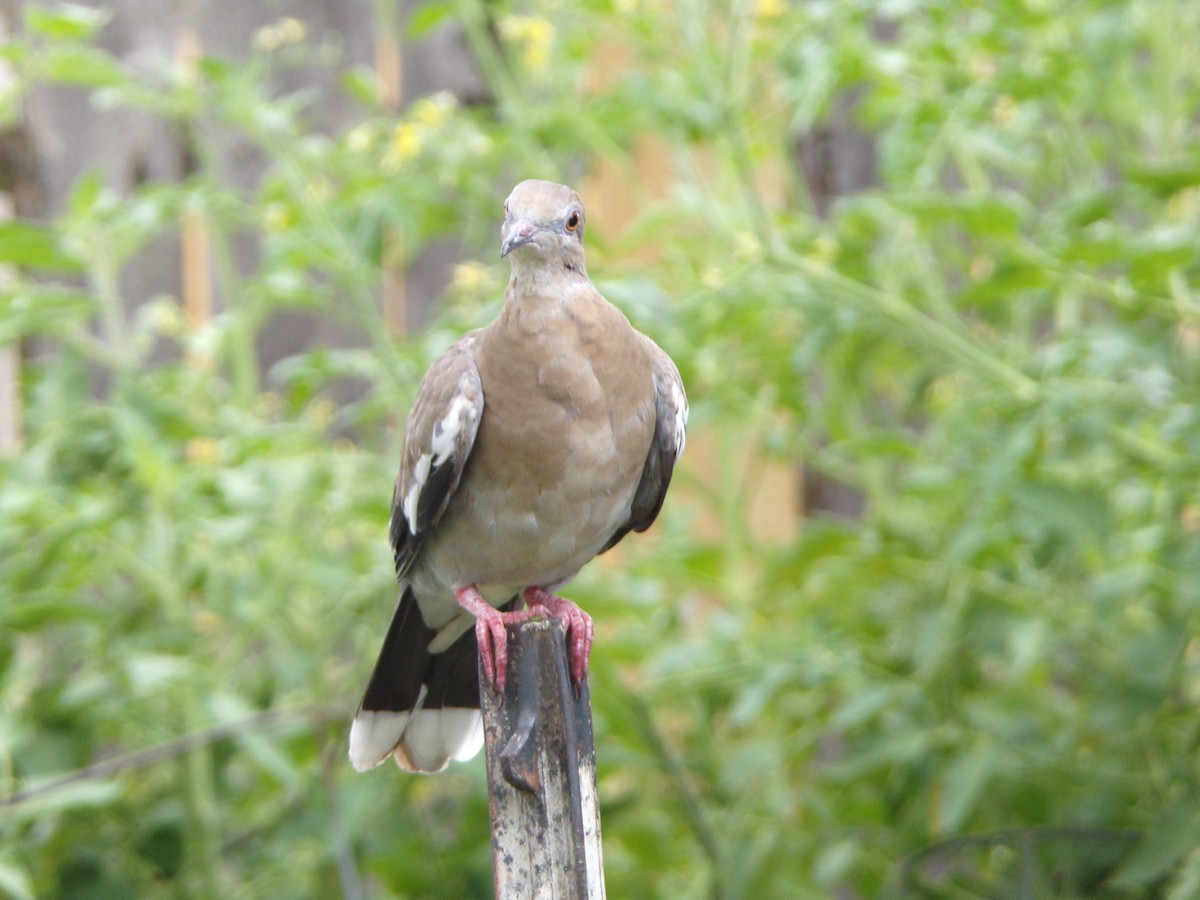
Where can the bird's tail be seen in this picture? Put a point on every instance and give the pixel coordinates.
(421, 708)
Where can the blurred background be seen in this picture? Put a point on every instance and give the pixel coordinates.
(919, 617)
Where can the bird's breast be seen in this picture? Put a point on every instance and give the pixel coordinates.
(567, 423)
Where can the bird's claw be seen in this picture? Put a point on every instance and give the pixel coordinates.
(576, 624)
(492, 637)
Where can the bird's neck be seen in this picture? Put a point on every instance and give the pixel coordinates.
(546, 277)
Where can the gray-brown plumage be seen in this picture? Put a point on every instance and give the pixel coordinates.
(534, 444)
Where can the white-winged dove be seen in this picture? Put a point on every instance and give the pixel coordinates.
(535, 443)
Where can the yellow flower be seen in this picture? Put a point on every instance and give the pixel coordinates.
(713, 278)
(1188, 334)
(167, 319)
(286, 31)
(747, 247)
(470, 278)
(277, 217)
(292, 30)
(823, 249)
(533, 36)
(268, 405)
(432, 111)
(318, 190)
(404, 145)
(769, 9)
(981, 267)
(982, 67)
(202, 451)
(360, 139)
(322, 412)
(1004, 110)
(207, 622)
(1184, 204)
(945, 391)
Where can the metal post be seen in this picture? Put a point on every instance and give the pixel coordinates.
(541, 766)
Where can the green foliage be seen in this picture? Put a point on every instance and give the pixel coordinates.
(993, 669)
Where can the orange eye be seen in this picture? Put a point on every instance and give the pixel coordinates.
(506, 209)
(573, 221)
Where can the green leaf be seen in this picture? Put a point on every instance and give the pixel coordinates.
(14, 881)
(76, 795)
(1174, 834)
(150, 673)
(996, 215)
(88, 191)
(361, 84)
(66, 21)
(863, 705)
(84, 66)
(963, 782)
(1072, 511)
(32, 615)
(1165, 177)
(428, 17)
(258, 746)
(34, 246)
(36, 309)
(835, 861)
(1186, 884)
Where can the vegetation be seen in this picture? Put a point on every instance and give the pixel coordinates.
(998, 347)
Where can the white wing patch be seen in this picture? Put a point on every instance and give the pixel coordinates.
(448, 427)
(679, 400)
(442, 444)
(413, 497)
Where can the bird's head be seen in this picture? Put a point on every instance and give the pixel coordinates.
(543, 225)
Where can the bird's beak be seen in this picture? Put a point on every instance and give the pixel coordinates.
(521, 233)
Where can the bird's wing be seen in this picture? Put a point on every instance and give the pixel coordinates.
(438, 437)
(670, 425)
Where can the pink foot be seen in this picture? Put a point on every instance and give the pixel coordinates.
(490, 634)
(576, 623)
(493, 639)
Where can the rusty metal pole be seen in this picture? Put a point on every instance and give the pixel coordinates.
(541, 765)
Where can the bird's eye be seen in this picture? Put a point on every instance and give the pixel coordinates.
(573, 221)
(505, 209)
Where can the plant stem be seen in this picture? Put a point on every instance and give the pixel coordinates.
(104, 278)
(498, 76)
(203, 814)
(693, 805)
(930, 331)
